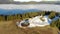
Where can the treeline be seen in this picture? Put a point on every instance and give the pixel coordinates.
(56, 23)
(51, 14)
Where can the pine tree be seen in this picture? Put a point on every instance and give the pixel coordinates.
(52, 15)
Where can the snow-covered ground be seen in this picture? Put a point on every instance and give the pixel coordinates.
(36, 21)
(47, 7)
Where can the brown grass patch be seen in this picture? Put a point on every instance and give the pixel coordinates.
(9, 27)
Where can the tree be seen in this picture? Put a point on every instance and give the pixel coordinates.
(23, 16)
(43, 13)
(53, 24)
(26, 15)
(52, 15)
(56, 23)
(17, 16)
(2, 18)
(11, 17)
(30, 14)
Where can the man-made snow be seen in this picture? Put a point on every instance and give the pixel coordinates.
(36, 21)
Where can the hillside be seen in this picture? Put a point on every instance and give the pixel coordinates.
(8, 23)
(43, 7)
(9, 27)
(29, 2)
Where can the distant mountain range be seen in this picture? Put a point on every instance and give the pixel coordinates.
(31, 2)
(42, 2)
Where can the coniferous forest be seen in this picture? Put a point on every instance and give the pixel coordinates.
(51, 15)
(8, 23)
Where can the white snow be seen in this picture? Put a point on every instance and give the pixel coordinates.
(44, 7)
(36, 21)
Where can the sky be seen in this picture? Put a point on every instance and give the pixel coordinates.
(35, 0)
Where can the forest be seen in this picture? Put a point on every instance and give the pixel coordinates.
(51, 15)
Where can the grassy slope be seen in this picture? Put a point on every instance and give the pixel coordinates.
(9, 27)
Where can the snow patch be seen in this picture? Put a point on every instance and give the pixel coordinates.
(36, 21)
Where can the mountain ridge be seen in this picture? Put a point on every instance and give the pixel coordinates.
(31, 2)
